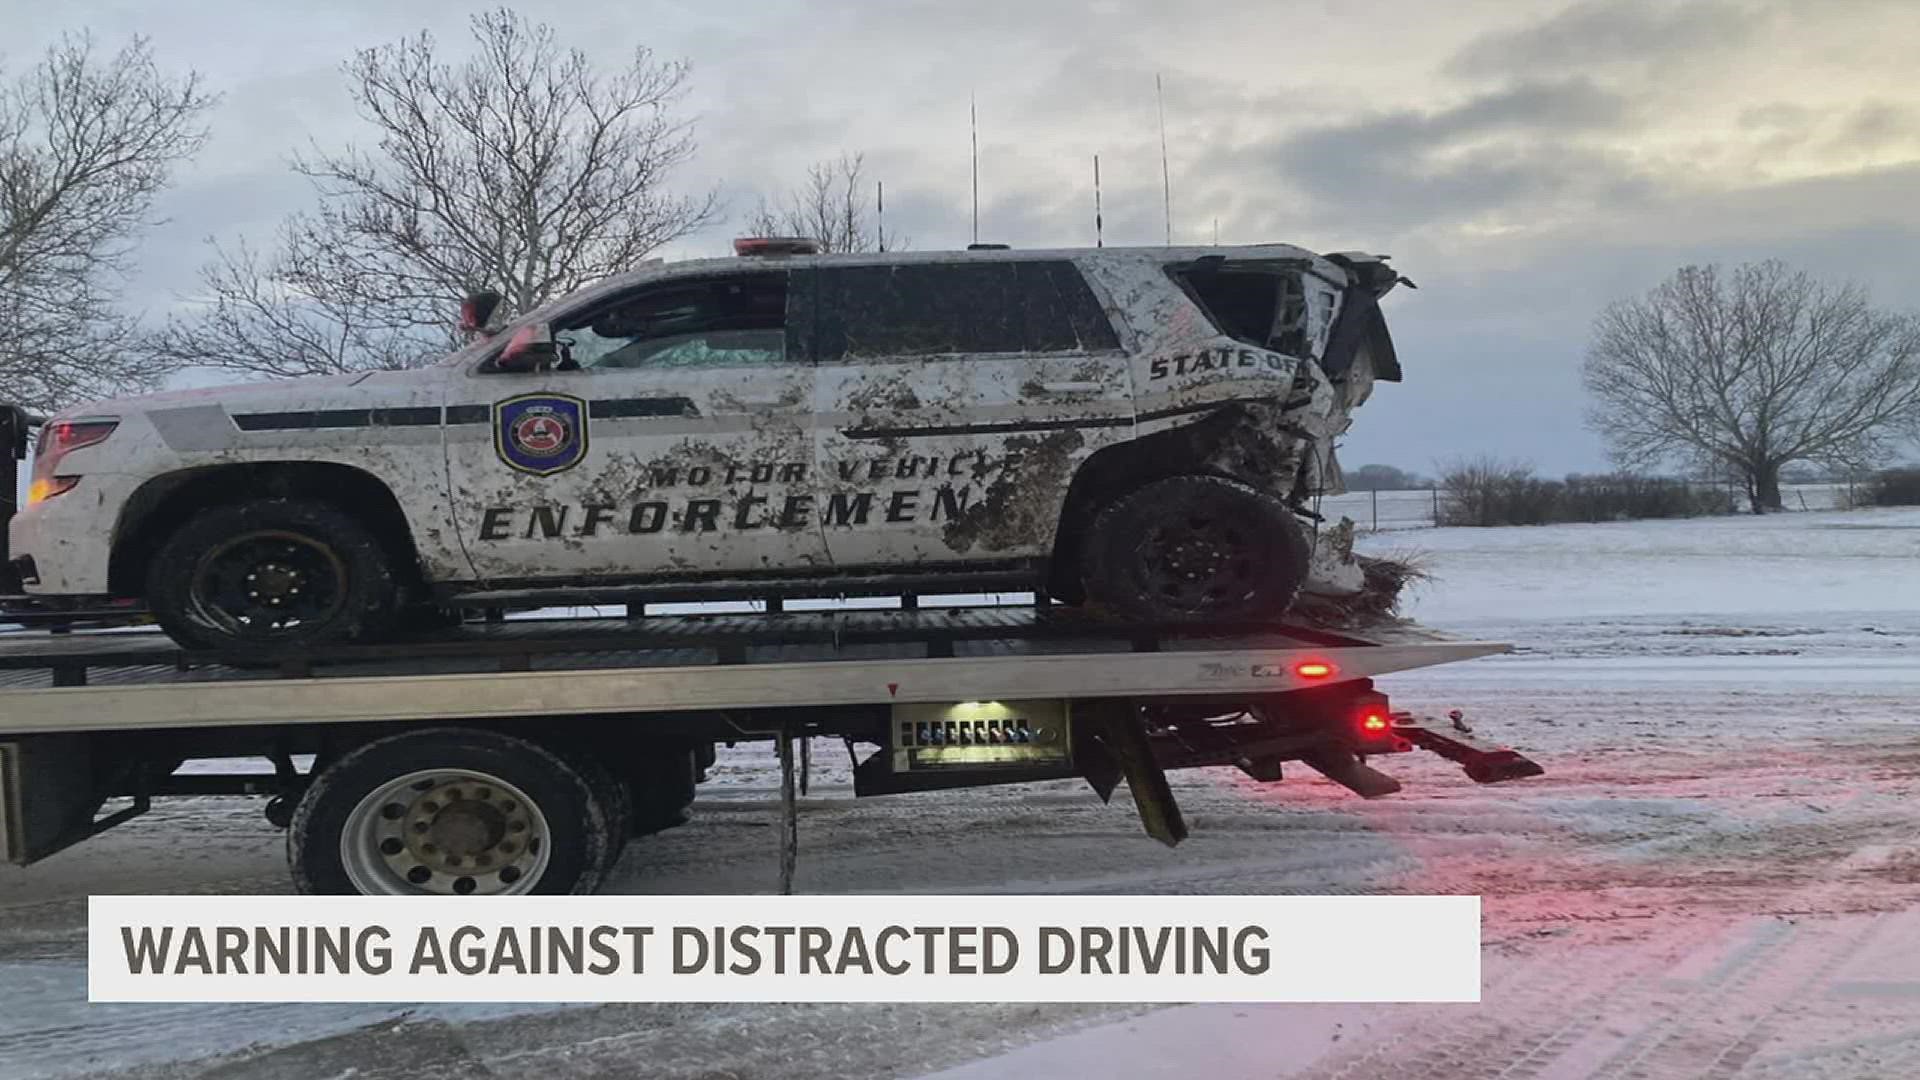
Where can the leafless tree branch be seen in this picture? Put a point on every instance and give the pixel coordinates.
(1751, 370)
(834, 206)
(519, 169)
(86, 143)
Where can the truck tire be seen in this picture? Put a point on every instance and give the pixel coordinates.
(451, 811)
(663, 781)
(615, 799)
(1195, 549)
(256, 579)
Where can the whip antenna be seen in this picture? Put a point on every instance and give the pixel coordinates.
(1166, 181)
(1097, 241)
(973, 114)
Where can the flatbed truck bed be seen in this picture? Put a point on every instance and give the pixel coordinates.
(601, 728)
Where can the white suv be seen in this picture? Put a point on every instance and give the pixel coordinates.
(1138, 427)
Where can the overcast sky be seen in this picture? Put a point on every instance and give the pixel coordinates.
(1525, 162)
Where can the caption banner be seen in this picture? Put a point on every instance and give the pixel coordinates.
(784, 948)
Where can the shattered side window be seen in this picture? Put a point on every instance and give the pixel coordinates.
(1267, 308)
(956, 309)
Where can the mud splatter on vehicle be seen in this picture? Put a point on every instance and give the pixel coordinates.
(1143, 423)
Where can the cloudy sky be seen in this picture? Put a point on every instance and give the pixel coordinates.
(1524, 161)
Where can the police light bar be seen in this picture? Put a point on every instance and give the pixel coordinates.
(775, 245)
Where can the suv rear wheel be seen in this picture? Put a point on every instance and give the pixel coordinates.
(254, 579)
(1192, 548)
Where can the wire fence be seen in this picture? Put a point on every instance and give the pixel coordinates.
(1419, 508)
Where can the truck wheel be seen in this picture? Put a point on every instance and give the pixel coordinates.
(615, 801)
(1192, 548)
(664, 778)
(254, 579)
(450, 811)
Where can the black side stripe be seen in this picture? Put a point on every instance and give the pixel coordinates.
(413, 416)
(625, 408)
(628, 408)
(1183, 410)
(1015, 426)
(1009, 427)
(315, 419)
(427, 415)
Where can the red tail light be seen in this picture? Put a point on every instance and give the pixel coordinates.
(1372, 720)
(1313, 669)
(57, 440)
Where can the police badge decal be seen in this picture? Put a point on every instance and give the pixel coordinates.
(540, 434)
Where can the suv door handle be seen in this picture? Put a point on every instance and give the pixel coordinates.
(1071, 387)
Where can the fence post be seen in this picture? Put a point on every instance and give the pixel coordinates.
(1436, 503)
(1376, 509)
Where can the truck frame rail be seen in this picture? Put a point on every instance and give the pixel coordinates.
(94, 725)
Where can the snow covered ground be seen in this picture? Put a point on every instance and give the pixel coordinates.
(1417, 508)
(1718, 877)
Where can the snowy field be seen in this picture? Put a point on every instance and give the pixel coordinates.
(1387, 511)
(1718, 877)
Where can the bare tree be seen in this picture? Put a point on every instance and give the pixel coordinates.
(519, 169)
(86, 142)
(1751, 370)
(834, 206)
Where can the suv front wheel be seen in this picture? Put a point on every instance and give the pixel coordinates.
(1195, 548)
(255, 579)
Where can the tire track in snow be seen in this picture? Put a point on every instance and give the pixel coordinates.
(1695, 998)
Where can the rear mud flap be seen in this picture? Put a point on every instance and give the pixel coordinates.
(1345, 768)
(1112, 744)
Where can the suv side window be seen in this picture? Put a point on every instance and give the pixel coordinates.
(1261, 306)
(944, 309)
(723, 322)
(1062, 314)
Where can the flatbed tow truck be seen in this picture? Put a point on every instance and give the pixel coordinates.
(629, 710)
(502, 755)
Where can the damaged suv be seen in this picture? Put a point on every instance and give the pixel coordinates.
(1139, 428)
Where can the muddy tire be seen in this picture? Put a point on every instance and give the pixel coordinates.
(615, 800)
(254, 580)
(663, 787)
(452, 811)
(1195, 549)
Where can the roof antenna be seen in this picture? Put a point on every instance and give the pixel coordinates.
(1097, 241)
(1166, 181)
(880, 211)
(973, 114)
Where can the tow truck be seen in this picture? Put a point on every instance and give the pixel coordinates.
(518, 755)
